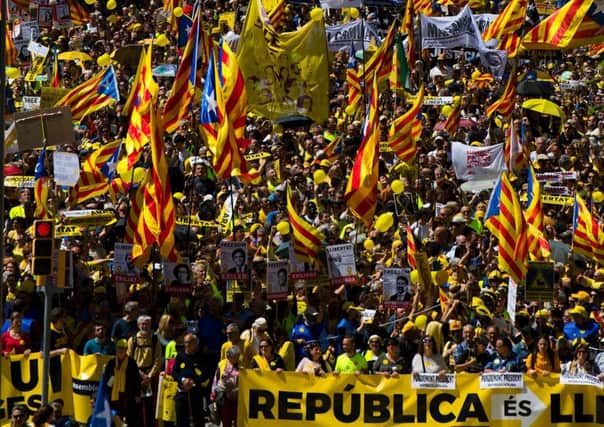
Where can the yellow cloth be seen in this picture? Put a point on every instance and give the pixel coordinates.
(288, 355)
(262, 363)
(119, 379)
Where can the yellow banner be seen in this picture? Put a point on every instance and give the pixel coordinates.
(268, 399)
(195, 222)
(67, 231)
(86, 373)
(228, 18)
(256, 156)
(557, 200)
(19, 181)
(21, 382)
(385, 147)
(285, 73)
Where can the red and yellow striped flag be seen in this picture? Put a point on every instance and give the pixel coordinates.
(158, 218)
(361, 189)
(575, 24)
(10, 54)
(355, 92)
(56, 77)
(145, 94)
(588, 238)
(407, 129)
(134, 211)
(380, 62)
(41, 198)
(407, 28)
(505, 220)
(506, 26)
(196, 52)
(507, 102)
(515, 154)
(306, 238)
(277, 14)
(411, 248)
(539, 248)
(452, 123)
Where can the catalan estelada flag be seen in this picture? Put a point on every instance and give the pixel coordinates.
(157, 219)
(577, 23)
(361, 189)
(507, 102)
(539, 248)
(588, 238)
(506, 26)
(306, 238)
(97, 173)
(41, 188)
(411, 248)
(514, 152)
(78, 14)
(92, 95)
(407, 129)
(355, 91)
(380, 63)
(145, 93)
(178, 104)
(505, 220)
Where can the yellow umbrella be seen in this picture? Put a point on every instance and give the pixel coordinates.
(74, 56)
(544, 106)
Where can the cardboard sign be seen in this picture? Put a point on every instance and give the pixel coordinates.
(51, 126)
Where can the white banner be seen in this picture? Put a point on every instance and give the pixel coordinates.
(477, 163)
(339, 4)
(461, 30)
(66, 168)
(433, 381)
(37, 49)
(344, 35)
(340, 263)
(276, 280)
(580, 379)
(512, 295)
(501, 380)
(396, 286)
(31, 103)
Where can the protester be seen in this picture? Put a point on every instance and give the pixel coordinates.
(427, 360)
(15, 341)
(192, 375)
(226, 385)
(314, 363)
(543, 360)
(350, 362)
(267, 360)
(580, 363)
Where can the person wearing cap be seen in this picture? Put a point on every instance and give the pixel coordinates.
(374, 350)
(581, 326)
(123, 382)
(306, 331)
(390, 364)
(100, 344)
(350, 362)
(256, 333)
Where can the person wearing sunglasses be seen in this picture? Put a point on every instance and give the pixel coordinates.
(580, 363)
(19, 416)
(267, 360)
(428, 360)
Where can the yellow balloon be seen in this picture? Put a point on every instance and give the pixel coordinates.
(397, 186)
(138, 175)
(235, 172)
(111, 4)
(368, 244)
(162, 40)
(354, 12)
(384, 222)
(414, 276)
(12, 72)
(420, 322)
(319, 176)
(104, 60)
(90, 1)
(439, 277)
(283, 227)
(316, 14)
(178, 12)
(349, 110)
(446, 110)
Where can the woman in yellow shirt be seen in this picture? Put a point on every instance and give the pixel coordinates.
(544, 360)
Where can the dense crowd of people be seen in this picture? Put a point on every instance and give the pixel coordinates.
(203, 339)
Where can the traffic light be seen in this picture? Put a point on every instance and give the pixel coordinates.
(43, 247)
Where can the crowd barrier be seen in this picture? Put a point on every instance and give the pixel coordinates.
(285, 399)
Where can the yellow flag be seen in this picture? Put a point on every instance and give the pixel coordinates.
(285, 73)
